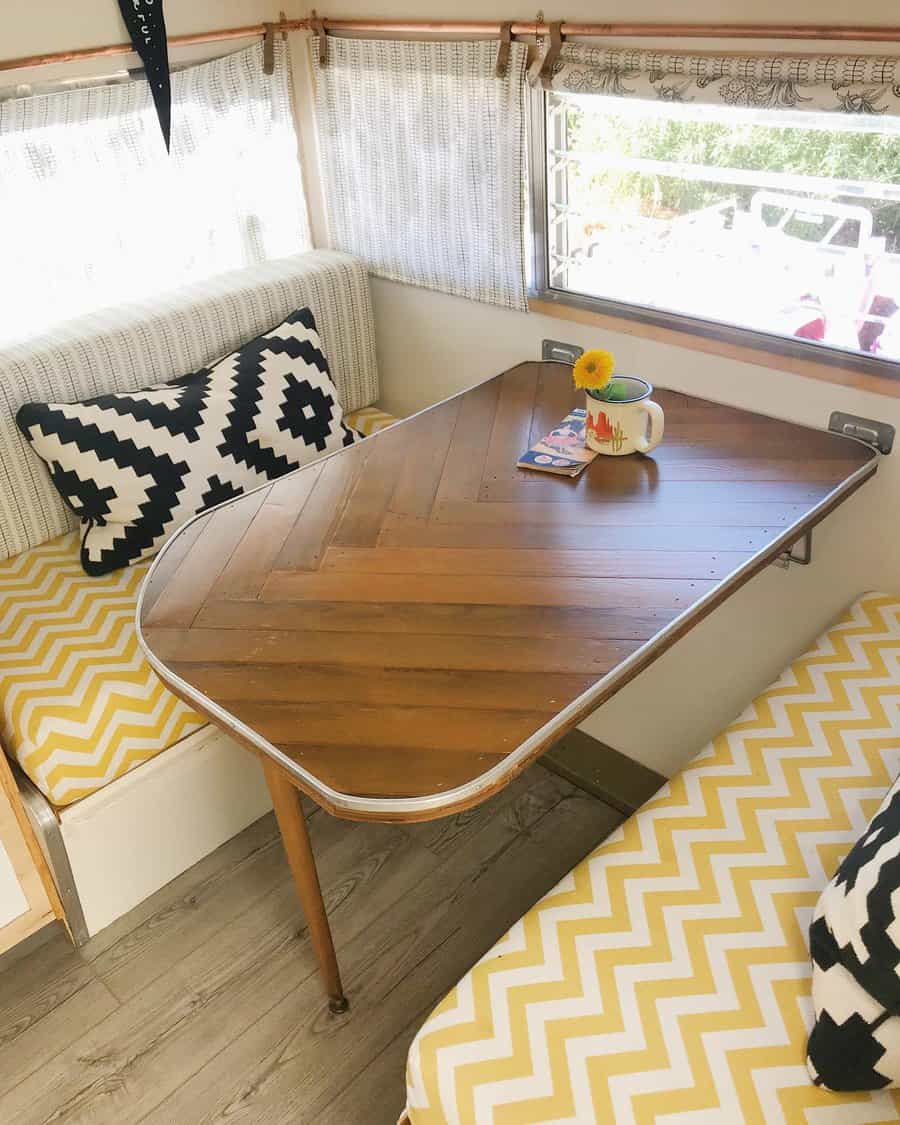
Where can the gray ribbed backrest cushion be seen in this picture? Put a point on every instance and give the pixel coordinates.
(127, 348)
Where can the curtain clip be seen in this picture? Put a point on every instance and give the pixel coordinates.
(503, 50)
(269, 49)
(542, 68)
(317, 24)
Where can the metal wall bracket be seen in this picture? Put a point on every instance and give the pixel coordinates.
(879, 435)
(558, 352)
(804, 558)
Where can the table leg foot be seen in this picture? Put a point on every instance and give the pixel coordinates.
(297, 846)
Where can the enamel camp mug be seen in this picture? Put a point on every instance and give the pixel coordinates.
(633, 424)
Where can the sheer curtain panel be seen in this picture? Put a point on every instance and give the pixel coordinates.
(93, 212)
(423, 153)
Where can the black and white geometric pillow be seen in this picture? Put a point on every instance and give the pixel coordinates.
(136, 466)
(855, 947)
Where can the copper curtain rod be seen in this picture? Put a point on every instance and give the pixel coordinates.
(491, 30)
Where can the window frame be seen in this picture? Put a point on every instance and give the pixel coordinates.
(539, 289)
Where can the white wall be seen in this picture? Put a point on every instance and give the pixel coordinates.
(783, 12)
(46, 26)
(431, 345)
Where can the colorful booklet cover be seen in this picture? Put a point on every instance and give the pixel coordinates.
(563, 450)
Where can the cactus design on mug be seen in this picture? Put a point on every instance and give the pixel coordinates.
(599, 427)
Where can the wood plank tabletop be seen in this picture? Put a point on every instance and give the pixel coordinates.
(408, 623)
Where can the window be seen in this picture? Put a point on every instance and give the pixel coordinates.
(784, 222)
(94, 212)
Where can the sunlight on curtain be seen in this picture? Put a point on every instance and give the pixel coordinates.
(423, 158)
(94, 213)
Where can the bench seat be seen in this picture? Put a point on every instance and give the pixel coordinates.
(79, 704)
(666, 979)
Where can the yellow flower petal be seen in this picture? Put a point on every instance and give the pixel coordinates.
(593, 369)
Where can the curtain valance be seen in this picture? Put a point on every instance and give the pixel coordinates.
(423, 153)
(818, 83)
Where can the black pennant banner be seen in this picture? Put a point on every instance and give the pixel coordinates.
(147, 27)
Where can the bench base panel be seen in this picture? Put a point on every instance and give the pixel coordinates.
(140, 832)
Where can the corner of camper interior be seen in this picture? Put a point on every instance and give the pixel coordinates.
(449, 563)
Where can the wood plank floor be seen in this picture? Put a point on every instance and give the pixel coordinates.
(203, 1004)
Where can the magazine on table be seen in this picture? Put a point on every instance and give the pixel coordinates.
(562, 451)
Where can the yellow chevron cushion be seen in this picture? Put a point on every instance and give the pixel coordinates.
(79, 704)
(666, 979)
(369, 420)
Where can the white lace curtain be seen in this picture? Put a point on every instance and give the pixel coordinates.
(423, 153)
(94, 213)
(816, 83)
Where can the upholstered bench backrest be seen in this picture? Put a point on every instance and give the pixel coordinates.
(127, 348)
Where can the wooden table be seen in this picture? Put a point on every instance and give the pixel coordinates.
(401, 628)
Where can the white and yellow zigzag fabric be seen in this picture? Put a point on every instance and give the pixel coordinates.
(79, 704)
(369, 420)
(666, 980)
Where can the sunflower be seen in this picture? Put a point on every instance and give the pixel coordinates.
(593, 369)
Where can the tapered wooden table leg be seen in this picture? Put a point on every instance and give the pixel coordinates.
(295, 836)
